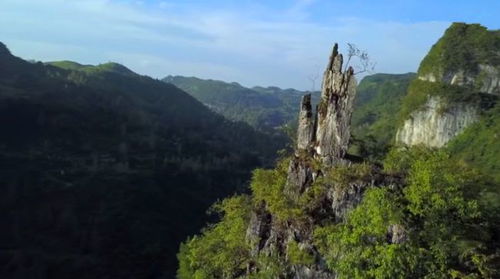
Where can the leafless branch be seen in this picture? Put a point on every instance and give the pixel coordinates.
(365, 63)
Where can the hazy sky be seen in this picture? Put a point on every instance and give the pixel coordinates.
(260, 42)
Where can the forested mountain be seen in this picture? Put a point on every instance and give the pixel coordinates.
(454, 101)
(427, 208)
(374, 119)
(265, 108)
(103, 171)
(458, 80)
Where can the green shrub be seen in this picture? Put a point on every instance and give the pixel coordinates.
(298, 256)
(269, 185)
(221, 251)
(447, 226)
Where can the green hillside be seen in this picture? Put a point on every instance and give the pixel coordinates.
(374, 119)
(104, 171)
(463, 46)
(459, 52)
(478, 145)
(265, 108)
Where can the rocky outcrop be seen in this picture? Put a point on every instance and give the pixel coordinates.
(305, 132)
(322, 138)
(465, 71)
(320, 159)
(334, 111)
(486, 79)
(434, 125)
(489, 79)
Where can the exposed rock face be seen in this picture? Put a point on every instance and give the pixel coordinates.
(305, 132)
(490, 80)
(343, 201)
(462, 60)
(325, 139)
(434, 125)
(321, 149)
(439, 121)
(334, 111)
(485, 80)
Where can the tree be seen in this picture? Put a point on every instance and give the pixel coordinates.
(365, 63)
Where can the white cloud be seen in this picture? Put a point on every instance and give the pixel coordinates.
(233, 45)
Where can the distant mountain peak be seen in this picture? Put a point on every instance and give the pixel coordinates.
(115, 67)
(105, 67)
(4, 50)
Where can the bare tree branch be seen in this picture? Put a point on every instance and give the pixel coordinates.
(365, 63)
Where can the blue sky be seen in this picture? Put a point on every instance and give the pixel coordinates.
(281, 43)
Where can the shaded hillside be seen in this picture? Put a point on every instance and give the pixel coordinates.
(479, 145)
(103, 172)
(376, 108)
(265, 108)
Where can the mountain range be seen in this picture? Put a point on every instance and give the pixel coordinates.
(264, 108)
(104, 171)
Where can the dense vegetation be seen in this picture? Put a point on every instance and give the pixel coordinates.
(463, 47)
(265, 108)
(374, 119)
(478, 145)
(120, 168)
(445, 208)
(103, 172)
(435, 215)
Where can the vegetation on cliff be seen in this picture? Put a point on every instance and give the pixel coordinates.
(449, 226)
(462, 47)
(318, 214)
(478, 145)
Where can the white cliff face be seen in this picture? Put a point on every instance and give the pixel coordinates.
(434, 126)
(438, 122)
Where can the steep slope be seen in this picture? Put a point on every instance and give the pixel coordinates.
(457, 80)
(103, 172)
(318, 214)
(478, 145)
(261, 107)
(374, 120)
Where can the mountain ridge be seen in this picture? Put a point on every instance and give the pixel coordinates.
(264, 108)
(118, 167)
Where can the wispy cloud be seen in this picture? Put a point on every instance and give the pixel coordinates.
(265, 46)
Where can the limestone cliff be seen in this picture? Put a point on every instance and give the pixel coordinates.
(434, 126)
(453, 79)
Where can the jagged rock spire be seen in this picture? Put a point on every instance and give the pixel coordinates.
(328, 134)
(305, 132)
(335, 111)
(324, 137)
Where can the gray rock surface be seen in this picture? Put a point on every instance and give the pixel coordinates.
(334, 111)
(434, 125)
(323, 138)
(305, 132)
